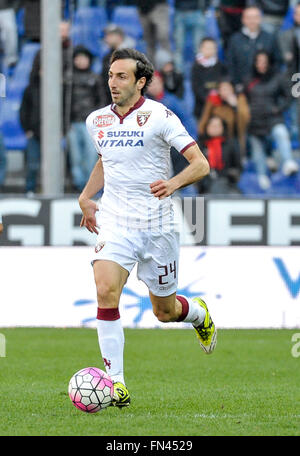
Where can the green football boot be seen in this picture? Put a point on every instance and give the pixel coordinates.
(206, 332)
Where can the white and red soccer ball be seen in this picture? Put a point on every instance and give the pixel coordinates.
(91, 390)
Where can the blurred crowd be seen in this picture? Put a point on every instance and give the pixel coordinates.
(228, 68)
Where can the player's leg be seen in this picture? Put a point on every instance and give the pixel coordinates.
(159, 271)
(180, 308)
(110, 279)
(176, 308)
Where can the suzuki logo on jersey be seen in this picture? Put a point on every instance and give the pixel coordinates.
(142, 117)
(116, 141)
(104, 121)
(100, 134)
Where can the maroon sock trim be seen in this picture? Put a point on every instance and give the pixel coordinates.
(185, 307)
(110, 314)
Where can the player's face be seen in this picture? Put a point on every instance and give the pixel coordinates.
(123, 86)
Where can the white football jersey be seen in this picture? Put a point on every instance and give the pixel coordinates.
(135, 151)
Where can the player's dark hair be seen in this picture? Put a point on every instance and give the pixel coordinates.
(144, 67)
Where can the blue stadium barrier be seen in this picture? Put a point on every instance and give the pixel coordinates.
(127, 17)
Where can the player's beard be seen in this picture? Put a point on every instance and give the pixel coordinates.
(125, 98)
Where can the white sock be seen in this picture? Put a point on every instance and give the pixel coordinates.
(195, 313)
(111, 343)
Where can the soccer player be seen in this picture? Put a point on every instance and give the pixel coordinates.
(134, 221)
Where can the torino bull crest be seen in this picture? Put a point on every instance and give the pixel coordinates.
(142, 117)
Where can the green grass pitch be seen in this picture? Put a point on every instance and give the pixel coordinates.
(248, 386)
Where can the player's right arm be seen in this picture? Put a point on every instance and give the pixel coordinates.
(87, 205)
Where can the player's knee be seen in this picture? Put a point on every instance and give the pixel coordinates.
(162, 315)
(107, 294)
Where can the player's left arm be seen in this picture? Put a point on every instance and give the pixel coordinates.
(197, 168)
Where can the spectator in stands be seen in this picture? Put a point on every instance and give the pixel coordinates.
(268, 96)
(157, 92)
(30, 120)
(9, 32)
(86, 92)
(244, 44)
(173, 79)
(66, 44)
(114, 38)
(32, 20)
(2, 163)
(229, 14)
(223, 156)
(206, 73)
(274, 12)
(154, 16)
(64, 31)
(232, 108)
(289, 41)
(189, 17)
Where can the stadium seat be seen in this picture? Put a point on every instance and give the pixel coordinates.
(288, 19)
(20, 21)
(248, 184)
(127, 18)
(211, 24)
(212, 30)
(283, 185)
(20, 78)
(14, 136)
(280, 184)
(189, 98)
(87, 28)
(91, 17)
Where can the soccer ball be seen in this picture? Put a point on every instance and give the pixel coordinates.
(91, 389)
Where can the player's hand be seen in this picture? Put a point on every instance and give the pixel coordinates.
(89, 209)
(162, 188)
